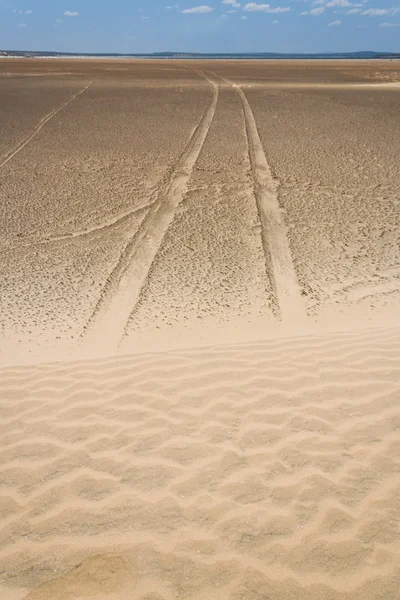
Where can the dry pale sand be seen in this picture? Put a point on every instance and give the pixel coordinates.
(263, 470)
(200, 318)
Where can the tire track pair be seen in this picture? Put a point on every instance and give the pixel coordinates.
(122, 290)
(278, 257)
(124, 284)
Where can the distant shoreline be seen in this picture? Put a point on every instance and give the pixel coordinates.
(364, 55)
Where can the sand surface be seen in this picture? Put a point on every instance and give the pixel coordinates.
(152, 205)
(200, 318)
(263, 470)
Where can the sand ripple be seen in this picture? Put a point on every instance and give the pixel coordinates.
(265, 470)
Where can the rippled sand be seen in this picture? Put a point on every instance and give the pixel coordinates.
(268, 469)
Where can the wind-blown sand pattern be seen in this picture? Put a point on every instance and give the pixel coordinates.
(264, 470)
(200, 332)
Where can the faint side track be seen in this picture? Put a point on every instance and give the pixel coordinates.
(38, 127)
(123, 287)
(53, 241)
(101, 228)
(279, 263)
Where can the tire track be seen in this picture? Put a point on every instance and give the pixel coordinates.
(92, 232)
(39, 126)
(117, 220)
(123, 287)
(279, 263)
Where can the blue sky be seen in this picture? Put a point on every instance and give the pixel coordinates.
(200, 26)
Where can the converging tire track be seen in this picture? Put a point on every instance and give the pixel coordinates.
(122, 290)
(39, 126)
(279, 263)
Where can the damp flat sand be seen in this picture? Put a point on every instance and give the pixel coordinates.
(200, 300)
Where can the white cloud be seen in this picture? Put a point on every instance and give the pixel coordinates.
(231, 11)
(386, 24)
(244, 18)
(354, 11)
(254, 7)
(198, 10)
(275, 22)
(334, 23)
(377, 12)
(22, 25)
(315, 12)
(68, 13)
(28, 12)
(337, 3)
(279, 9)
(233, 3)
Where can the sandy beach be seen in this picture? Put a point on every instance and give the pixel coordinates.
(200, 318)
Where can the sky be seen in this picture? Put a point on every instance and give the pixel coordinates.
(145, 26)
